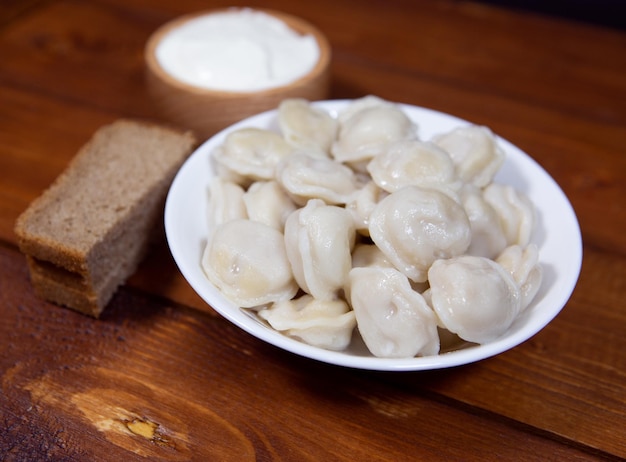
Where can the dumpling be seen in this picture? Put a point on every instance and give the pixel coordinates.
(319, 240)
(306, 177)
(325, 324)
(368, 131)
(488, 238)
(523, 264)
(362, 203)
(474, 297)
(247, 261)
(369, 255)
(475, 153)
(515, 210)
(304, 125)
(415, 226)
(413, 163)
(268, 203)
(225, 202)
(251, 153)
(393, 320)
(359, 104)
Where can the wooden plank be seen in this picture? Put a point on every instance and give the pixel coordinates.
(517, 100)
(563, 369)
(78, 51)
(67, 49)
(173, 384)
(11, 9)
(78, 388)
(525, 56)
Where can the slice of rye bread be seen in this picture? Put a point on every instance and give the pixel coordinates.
(87, 233)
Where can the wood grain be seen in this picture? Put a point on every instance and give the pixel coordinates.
(152, 381)
(163, 377)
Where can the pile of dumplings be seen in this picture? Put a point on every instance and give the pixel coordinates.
(338, 225)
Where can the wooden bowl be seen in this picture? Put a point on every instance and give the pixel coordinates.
(207, 111)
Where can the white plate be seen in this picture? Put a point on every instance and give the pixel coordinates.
(557, 236)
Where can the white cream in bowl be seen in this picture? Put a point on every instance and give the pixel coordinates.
(239, 50)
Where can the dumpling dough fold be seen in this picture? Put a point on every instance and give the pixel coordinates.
(323, 323)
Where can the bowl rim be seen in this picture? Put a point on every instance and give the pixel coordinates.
(297, 24)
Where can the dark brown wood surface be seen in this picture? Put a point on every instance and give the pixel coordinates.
(163, 377)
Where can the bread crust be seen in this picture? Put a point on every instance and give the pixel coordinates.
(87, 233)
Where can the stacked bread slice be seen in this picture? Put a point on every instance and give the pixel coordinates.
(87, 233)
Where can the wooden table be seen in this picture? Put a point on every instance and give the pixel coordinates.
(163, 377)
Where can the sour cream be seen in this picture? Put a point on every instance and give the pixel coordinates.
(239, 50)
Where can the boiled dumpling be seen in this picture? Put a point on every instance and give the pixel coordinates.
(368, 131)
(393, 320)
(359, 104)
(268, 203)
(252, 153)
(225, 203)
(304, 125)
(362, 203)
(515, 210)
(369, 255)
(247, 261)
(475, 153)
(322, 323)
(306, 177)
(413, 163)
(414, 227)
(319, 240)
(488, 238)
(474, 297)
(523, 264)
